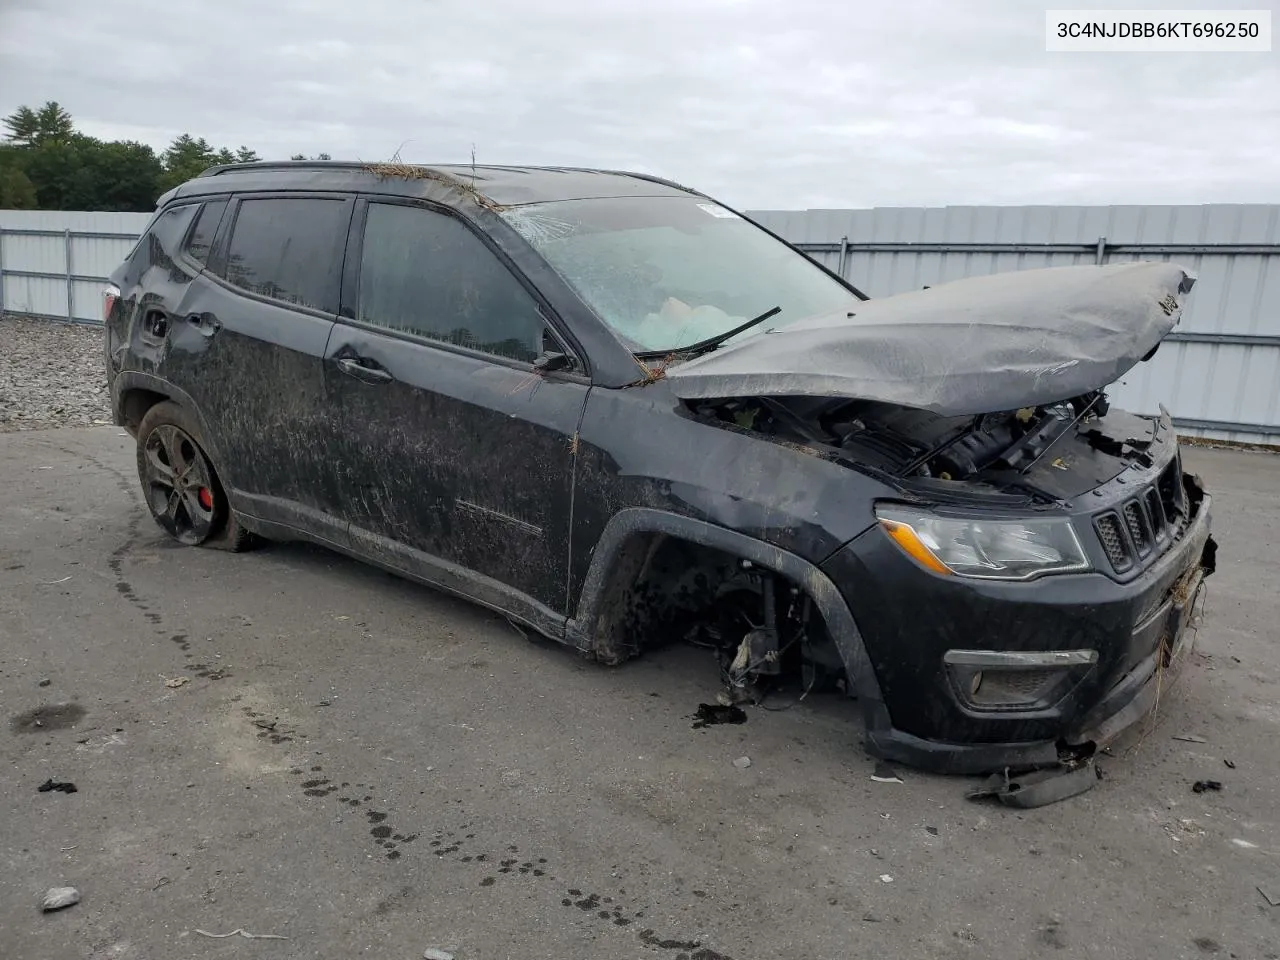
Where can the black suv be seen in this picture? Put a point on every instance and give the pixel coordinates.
(623, 414)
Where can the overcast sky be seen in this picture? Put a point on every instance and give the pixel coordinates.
(767, 103)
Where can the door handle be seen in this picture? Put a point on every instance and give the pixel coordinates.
(360, 369)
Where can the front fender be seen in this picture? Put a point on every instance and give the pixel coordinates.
(627, 528)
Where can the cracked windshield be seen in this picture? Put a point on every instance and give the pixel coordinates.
(668, 272)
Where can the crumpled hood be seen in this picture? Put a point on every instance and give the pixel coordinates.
(979, 345)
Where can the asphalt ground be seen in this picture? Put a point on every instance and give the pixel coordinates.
(369, 768)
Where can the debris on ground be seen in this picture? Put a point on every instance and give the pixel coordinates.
(885, 774)
(1244, 844)
(711, 714)
(436, 954)
(175, 682)
(1039, 787)
(1190, 738)
(1270, 894)
(62, 786)
(1200, 786)
(1230, 764)
(59, 897)
(44, 682)
(886, 878)
(742, 763)
(241, 933)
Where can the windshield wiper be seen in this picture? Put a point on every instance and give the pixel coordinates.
(709, 344)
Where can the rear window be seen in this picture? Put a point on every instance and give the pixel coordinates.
(201, 239)
(290, 249)
(159, 245)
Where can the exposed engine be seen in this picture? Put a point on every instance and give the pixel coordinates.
(907, 442)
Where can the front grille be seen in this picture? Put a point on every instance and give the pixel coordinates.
(1143, 521)
(1108, 526)
(1135, 523)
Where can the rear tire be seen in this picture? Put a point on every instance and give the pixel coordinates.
(181, 486)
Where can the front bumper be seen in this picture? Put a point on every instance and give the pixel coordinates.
(908, 619)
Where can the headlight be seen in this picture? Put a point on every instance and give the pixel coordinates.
(989, 549)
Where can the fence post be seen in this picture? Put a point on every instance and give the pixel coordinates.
(1101, 253)
(71, 290)
(844, 252)
(1, 270)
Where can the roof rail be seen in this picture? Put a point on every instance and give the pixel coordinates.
(254, 165)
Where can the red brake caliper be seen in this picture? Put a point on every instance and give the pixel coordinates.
(205, 496)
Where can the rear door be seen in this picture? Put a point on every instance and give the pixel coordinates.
(248, 348)
(457, 456)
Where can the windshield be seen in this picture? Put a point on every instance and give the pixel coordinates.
(667, 272)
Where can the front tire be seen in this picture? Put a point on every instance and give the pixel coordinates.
(180, 485)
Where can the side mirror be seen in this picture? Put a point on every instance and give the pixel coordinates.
(549, 362)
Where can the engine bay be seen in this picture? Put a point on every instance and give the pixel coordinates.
(1047, 452)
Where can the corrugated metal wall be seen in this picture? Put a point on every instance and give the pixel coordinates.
(1219, 373)
(53, 264)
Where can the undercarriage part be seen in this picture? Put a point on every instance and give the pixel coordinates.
(764, 630)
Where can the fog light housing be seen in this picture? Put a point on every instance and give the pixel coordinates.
(1012, 681)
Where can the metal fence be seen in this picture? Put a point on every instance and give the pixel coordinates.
(1218, 373)
(54, 264)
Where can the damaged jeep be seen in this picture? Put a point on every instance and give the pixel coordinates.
(624, 415)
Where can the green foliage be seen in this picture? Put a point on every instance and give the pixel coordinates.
(17, 192)
(318, 156)
(31, 128)
(46, 164)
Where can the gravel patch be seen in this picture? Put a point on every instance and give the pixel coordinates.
(51, 375)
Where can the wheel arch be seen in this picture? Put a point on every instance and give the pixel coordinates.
(137, 392)
(629, 541)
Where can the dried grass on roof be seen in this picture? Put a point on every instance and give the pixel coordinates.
(395, 169)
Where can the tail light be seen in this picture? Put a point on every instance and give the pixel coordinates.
(110, 294)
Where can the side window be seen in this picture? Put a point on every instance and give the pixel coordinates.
(290, 249)
(201, 238)
(426, 273)
(159, 245)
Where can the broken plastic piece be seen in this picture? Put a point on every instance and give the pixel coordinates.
(435, 954)
(59, 897)
(1039, 787)
(1270, 894)
(1190, 738)
(62, 786)
(885, 774)
(241, 932)
(1200, 786)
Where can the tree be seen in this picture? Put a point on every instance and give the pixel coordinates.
(46, 164)
(188, 157)
(30, 128)
(17, 192)
(318, 156)
(22, 126)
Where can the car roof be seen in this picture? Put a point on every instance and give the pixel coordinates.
(487, 185)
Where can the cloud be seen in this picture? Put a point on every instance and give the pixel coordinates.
(765, 104)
